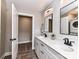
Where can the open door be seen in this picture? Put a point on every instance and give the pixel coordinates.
(14, 37)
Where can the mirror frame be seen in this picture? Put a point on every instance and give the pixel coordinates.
(60, 18)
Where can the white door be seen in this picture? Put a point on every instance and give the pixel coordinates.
(14, 38)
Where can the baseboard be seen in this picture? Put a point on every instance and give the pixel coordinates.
(2, 57)
(5, 54)
(23, 42)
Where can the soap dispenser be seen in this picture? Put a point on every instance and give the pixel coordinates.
(53, 36)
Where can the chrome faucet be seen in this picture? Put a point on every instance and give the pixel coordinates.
(67, 42)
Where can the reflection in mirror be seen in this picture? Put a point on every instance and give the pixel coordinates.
(48, 22)
(50, 25)
(69, 22)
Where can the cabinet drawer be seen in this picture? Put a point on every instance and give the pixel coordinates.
(50, 55)
(43, 46)
(56, 53)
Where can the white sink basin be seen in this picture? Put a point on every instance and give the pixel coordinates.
(68, 49)
(64, 47)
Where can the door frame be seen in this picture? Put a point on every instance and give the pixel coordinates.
(30, 15)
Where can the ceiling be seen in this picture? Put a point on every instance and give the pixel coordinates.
(31, 5)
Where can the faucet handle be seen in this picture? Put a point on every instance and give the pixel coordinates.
(71, 43)
(64, 41)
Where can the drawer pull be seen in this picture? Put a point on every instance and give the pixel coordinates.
(42, 45)
(42, 52)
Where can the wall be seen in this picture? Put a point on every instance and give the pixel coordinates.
(25, 29)
(8, 25)
(3, 26)
(0, 28)
(56, 16)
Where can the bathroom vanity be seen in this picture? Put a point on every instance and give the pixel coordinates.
(47, 48)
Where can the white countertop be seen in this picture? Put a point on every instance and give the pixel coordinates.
(59, 46)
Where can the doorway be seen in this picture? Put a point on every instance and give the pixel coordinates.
(25, 37)
(25, 29)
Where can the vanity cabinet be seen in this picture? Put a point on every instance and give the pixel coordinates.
(37, 48)
(43, 51)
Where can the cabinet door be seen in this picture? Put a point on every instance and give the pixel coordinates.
(37, 48)
(50, 55)
(42, 55)
(56, 54)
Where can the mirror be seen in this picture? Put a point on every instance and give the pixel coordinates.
(48, 23)
(69, 19)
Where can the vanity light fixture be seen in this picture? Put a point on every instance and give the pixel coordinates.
(48, 12)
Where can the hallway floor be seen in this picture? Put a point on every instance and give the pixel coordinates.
(25, 52)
